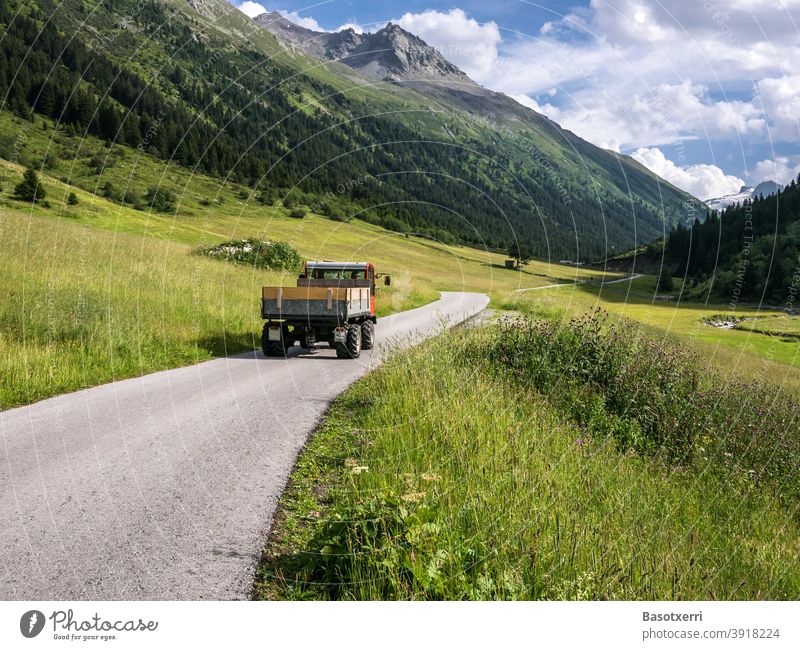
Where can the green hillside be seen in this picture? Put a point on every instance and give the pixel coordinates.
(208, 90)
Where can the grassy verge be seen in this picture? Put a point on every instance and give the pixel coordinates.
(734, 353)
(541, 488)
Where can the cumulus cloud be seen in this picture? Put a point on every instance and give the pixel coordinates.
(702, 181)
(461, 40)
(358, 29)
(545, 109)
(781, 170)
(780, 98)
(304, 21)
(635, 73)
(251, 9)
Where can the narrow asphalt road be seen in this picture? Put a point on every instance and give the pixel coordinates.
(164, 486)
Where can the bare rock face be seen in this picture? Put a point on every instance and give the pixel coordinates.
(389, 54)
(341, 44)
(395, 53)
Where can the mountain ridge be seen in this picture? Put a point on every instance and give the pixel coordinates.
(391, 53)
(764, 188)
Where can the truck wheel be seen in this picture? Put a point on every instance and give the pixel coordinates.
(273, 348)
(367, 335)
(352, 347)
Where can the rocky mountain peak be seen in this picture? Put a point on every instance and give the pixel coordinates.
(390, 53)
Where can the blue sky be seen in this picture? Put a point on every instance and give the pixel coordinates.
(704, 92)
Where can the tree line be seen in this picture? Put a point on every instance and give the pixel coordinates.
(749, 251)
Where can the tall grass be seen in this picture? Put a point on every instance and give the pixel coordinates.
(452, 473)
(652, 397)
(83, 307)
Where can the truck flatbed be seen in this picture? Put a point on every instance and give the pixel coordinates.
(313, 304)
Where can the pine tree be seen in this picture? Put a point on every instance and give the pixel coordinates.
(665, 283)
(73, 199)
(29, 188)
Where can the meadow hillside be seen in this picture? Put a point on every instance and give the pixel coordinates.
(98, 291)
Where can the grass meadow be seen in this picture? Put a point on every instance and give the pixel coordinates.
(558, 480)
(738, 352)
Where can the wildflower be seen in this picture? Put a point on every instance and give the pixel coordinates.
(350, 462)
(430, 477)
(413, 497)
(358, 469)
(580, 442)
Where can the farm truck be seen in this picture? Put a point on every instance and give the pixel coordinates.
(332, 302)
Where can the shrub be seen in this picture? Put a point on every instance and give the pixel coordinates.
(109, 191)
(665, 283)
(267, 197)
(161, 199)
(51, 160)
(653, 397)
(256, 252)
(72, 199)
(298, 213)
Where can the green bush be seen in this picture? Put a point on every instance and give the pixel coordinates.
(256, 252)
(651, 396)
(72, 199)
(161, 199)
(298, 213)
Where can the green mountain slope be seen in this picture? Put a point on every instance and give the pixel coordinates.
(201, 85)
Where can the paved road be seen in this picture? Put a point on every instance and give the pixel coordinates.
(570, 284)
(164, 487)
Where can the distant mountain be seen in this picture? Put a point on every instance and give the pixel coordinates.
(764, 188)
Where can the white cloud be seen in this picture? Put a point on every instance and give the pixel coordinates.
(358, 29)
(702, 181)
(780, 98)
(304, 21)
(461, 40)
(780, 170)
(251, 9)
(545, 109)
(636, 73)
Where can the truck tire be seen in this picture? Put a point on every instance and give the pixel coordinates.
(367, 335)
(273, 348)
(351, 349)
